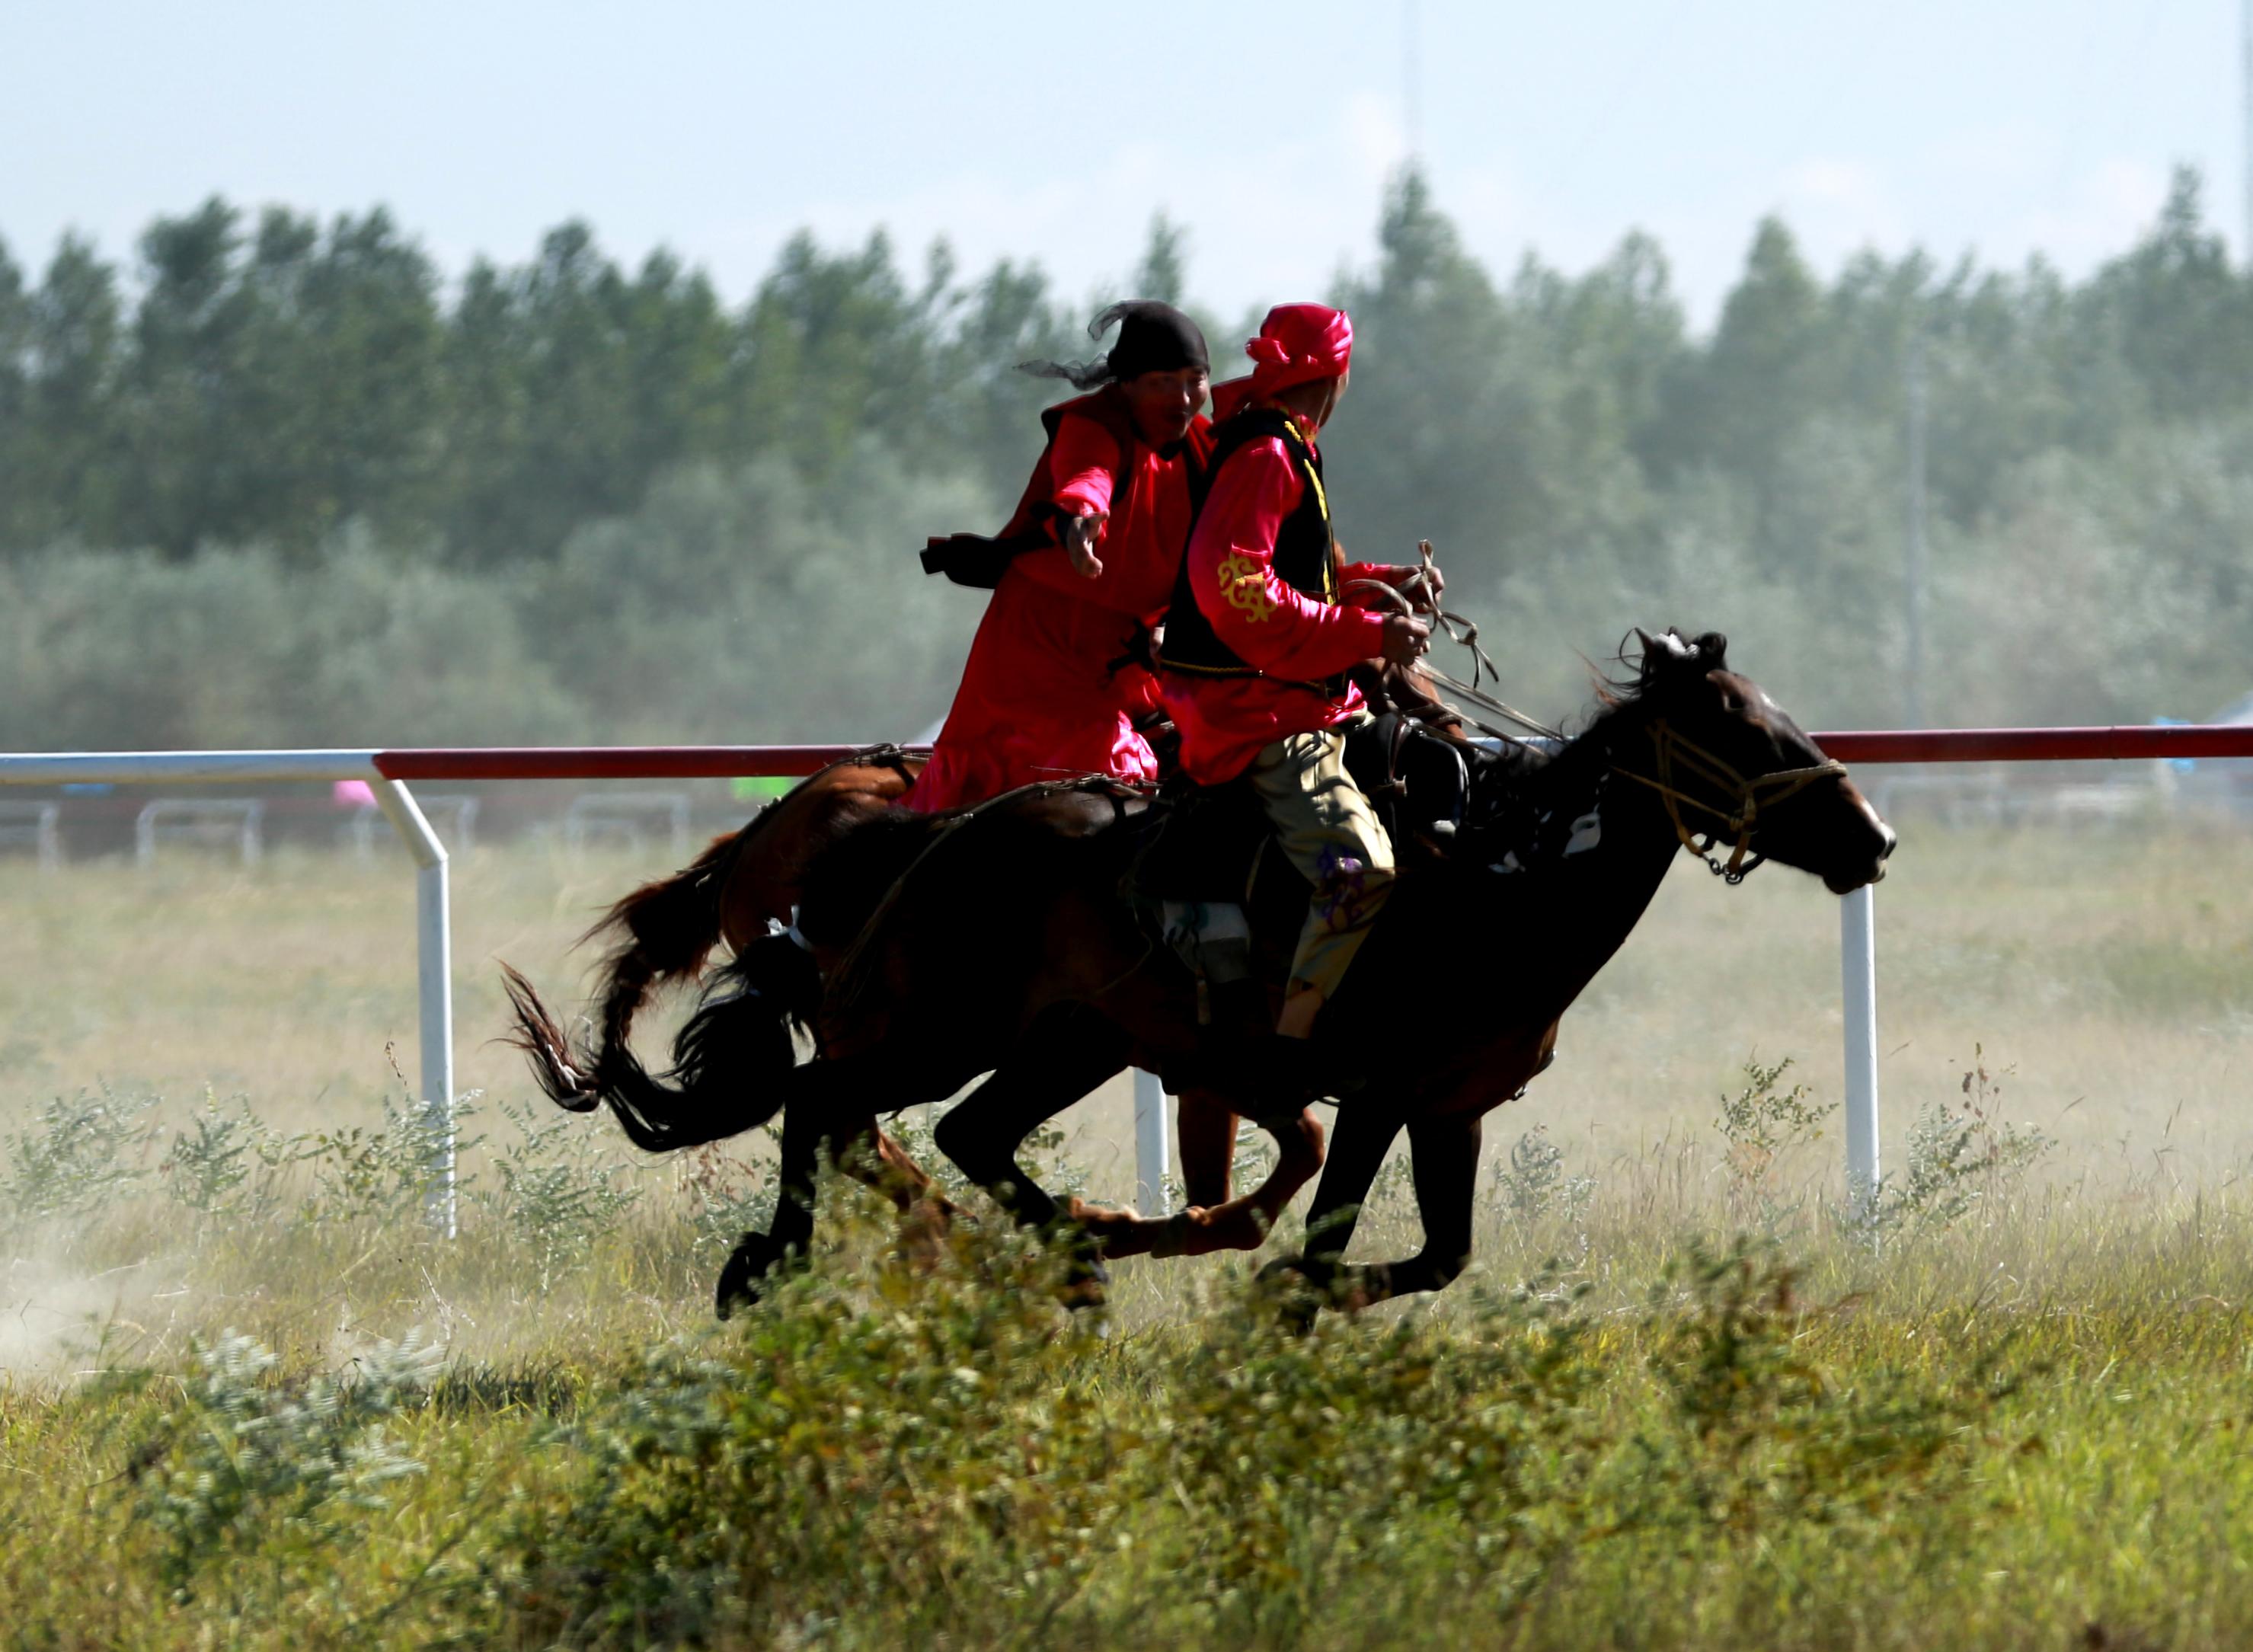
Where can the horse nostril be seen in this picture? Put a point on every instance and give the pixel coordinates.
(1893, 840)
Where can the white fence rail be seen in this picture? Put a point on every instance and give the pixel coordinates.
(454, 816)
(434, 941)
(386, 773)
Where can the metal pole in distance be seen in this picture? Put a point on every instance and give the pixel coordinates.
(434, 963)
(2245, 99)
(1913, 567)
(1859, 973)
(1153, 1144)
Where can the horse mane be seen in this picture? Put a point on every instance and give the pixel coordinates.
(1655, 662)
(1664, 658)
(1515, 764)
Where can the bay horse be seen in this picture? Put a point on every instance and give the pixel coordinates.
(1007, 941)
(744, 892)
(742, 888)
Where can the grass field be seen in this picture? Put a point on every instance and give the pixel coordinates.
(1678, 1402)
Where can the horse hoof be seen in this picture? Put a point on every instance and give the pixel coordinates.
(1081, 1294)
(1296, 1296)
(1176, 1232)
(742, 1282)
(1086, 1282)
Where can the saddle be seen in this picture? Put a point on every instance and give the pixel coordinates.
(1206, 843)
(1204, 882)
(1417, 779)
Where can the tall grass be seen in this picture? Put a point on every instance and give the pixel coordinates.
(2007, 1418)
(1683, 1398)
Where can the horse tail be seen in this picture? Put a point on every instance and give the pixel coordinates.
(662, 932)
(725, 1059)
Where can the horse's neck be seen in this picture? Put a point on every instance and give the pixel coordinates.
(1575, 911)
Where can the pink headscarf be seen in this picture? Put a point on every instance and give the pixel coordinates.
(1297, 344)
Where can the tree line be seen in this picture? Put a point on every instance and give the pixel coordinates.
(269, 381)
(585, 497)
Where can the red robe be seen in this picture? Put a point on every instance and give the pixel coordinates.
(1291, 637)
(1044, 696)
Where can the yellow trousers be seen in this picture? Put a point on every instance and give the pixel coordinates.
(1327, 829)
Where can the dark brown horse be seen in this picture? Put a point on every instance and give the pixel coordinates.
(1005, 942)
(737, 893)
(744, 889)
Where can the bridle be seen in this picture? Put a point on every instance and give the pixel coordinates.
(1419, 594)
(1745, 798)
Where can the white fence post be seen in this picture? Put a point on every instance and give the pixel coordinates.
(38, 824)
(434, 964)
(1153, 1144)
(1858, 978)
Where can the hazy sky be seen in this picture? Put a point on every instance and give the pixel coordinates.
(1054, 131)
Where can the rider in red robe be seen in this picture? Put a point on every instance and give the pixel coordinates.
(1054, 684)
(1261, 631)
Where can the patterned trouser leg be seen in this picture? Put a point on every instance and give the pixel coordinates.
(1327, 828)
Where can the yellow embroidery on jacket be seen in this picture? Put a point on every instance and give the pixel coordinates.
(1245, 584)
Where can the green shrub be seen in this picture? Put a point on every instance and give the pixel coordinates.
(919, 1456)
(911, 1442)
(1530, 1182)
(1764, 1436)
(559, 1192)
(383, 1173)
(228, 1163)
(1961, 1155)
(84, 1151)
(246, 1463)
(730, 1196)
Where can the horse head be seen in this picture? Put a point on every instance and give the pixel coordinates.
(1735, 770)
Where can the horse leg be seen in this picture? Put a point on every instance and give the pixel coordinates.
(1443, 1158)
(1244, 1223)
(881, 1165)
(923, 1204)
(867, 1153)
(1063, 1055)
(826, 1113)
(757, 1255)
(1205, 1129)
(1365, 1135)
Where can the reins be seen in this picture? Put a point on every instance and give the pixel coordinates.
(1740, 819)
(1419, 595)
(1746, 797)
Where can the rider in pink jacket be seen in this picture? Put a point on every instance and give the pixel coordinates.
(1259, 640)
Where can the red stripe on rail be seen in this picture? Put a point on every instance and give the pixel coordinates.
(2122, 742)
(603, 762)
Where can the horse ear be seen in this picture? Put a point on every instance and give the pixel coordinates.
(1666, 650)
(1651, 662)
(1670, 651)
